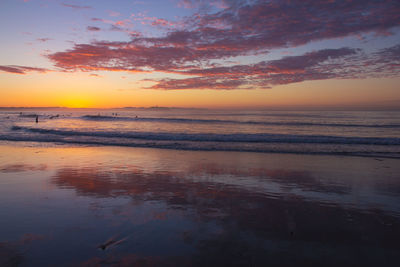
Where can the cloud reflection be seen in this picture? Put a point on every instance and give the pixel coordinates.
(210, 192)
(22, 167)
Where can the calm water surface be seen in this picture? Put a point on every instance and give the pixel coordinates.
(69, 205)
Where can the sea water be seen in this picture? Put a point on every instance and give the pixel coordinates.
(362, 133)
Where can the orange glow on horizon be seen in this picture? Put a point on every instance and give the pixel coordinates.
(76, 102)
(111, 90)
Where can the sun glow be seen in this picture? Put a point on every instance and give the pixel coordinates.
(76, 102)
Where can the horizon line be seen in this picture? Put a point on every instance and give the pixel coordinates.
(360, 107)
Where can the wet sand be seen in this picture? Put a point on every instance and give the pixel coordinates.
(106, 206)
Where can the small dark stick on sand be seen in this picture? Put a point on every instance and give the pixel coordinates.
(111, 242)
(106, 244)
(37, 118)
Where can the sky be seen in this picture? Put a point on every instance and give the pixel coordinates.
(196, 53)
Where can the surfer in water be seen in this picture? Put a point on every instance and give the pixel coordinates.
(37, 118)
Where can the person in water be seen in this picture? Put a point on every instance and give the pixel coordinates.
(37, 118)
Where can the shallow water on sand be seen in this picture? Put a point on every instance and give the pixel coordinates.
(89, 206)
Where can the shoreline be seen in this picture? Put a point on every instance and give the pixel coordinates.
(169, 147)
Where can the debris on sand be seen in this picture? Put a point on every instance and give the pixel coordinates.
(110, 243)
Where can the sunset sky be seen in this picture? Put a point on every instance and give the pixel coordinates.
(195, 53)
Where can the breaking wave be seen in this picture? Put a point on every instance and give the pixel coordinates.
(205, 121)
(210, 137)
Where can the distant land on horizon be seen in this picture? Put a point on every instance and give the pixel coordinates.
(126, 108)
(376, 106)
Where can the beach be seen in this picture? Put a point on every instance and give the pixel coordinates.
(200, 133)
(86, 205)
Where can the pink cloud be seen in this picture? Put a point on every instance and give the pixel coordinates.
(204, 4)
(76, 7)
(222, 4)
(322, 64)
(197, 83)
(120, 25)
(249, 29)
(93, 28)
(343, 63)
(186, 4)
(43, 39)
(154, 21)
(246, 28)
(125, 22)
(21, 69)
(162, 22)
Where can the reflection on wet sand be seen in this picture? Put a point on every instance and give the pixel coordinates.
(300, 179)
(22, 167)
(94, 206)
(10, 252)
(260, 219)
(136, 260)
(9, 255)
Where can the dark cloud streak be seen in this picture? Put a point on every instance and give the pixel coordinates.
(93, 28)
(76, 7)
(20, 69)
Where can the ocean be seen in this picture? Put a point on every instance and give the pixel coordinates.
(184, 187)
(361, 133)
